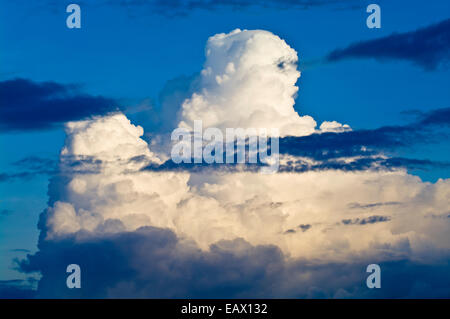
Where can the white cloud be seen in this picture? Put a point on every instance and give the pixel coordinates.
(108, 139)
(209, 207)
(248, 81)
(245, 86)
(334, 127)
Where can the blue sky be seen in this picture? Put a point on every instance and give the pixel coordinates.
(128, 53)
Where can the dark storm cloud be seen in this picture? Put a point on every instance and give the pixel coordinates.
(17, 289)
(149, 263)
(26, 105)
(13, 292)
(428, 47)
(153, 262)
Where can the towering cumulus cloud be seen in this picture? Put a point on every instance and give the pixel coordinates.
(140, 231)
(106, 189)
(248, 81)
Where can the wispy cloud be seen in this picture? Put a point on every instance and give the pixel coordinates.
(30, 167)
(367, 220)
(329, 147)
(428, 47)
(27, 105)
(371, 205)
(20, 250)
